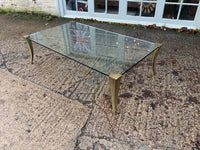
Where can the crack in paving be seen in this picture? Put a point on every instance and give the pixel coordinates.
(82, 131)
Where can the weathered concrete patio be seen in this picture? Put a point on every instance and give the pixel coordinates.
(57, 103)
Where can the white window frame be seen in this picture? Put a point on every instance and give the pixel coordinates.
(180, 23)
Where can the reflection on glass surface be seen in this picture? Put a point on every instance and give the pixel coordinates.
(133, 8)
(188, 12)
(99, 5)
(112, 6)
(80, 38)
(101, 50)
(148, 9)
(171, 11)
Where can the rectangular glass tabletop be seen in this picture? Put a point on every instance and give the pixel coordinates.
(104, 51)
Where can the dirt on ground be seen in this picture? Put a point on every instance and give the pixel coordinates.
(154, 112)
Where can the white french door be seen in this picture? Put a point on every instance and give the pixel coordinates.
(171, 13)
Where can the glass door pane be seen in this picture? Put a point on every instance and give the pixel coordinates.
(99, 6)
(191, 1)
(175, 1)
(133, 8)
(112, 6)
(141, 8)
(148, 9)
(106, 6)
(188, 12)
(171, 11)
(77, 5)
(71, 5)
(82, 5)
(180, 9)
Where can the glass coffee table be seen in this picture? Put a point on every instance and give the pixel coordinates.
(109, 53)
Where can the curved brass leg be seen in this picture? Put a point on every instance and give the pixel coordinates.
(30, 46)
(154, 56)
(114, 87)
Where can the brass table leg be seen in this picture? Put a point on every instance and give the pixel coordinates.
(30, 46)
(114, 87)
(154, 56)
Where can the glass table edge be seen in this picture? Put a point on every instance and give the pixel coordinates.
(139, 61)
(122, 73)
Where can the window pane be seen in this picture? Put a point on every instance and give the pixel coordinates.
(99, 5)
(71, 5)
(82, 5)
(133, 8)
(188, 12)
(112, 6)
(176, 1)
(171, 11)
(191, 1)
(148, 9)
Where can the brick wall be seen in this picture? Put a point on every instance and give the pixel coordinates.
(47, 6)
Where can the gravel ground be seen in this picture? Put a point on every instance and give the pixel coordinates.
(155, 112)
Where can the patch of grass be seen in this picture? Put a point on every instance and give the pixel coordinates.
(27, 14)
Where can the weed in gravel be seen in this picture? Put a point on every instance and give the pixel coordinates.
(93, 101)
(16, 15)
(1, 10)
(48, 18)
(8, 11)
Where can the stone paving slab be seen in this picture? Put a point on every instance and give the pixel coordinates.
(155, 112)
(60, 74)
(32, 117)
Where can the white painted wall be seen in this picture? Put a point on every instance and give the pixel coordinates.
(47, 6)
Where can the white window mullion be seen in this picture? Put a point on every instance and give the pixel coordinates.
(123, 7)
(106, 6)
(141, 8)
(160, 6)
(90, 6)
(76, 3)
(197, 17)
(179, 11)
